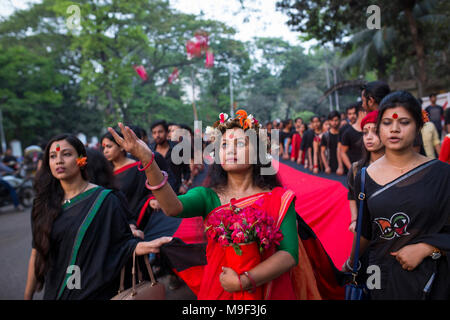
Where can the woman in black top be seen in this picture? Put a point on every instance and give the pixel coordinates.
(406, 217)
(373, 150)
(81, 238)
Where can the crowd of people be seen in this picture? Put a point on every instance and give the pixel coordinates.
(333, 143)
(405, 226)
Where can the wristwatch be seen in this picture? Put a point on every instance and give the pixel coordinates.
(436, 254)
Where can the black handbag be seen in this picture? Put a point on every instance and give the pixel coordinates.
(353, 290)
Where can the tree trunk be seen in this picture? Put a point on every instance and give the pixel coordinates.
(419, 48)
(381, 69)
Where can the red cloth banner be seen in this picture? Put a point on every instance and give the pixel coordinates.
(174, 75)
(209, 63)
(141, 72)
(323, 204)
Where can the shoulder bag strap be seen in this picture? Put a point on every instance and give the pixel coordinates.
(361, 198)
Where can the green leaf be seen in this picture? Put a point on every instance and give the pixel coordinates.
(237, 249)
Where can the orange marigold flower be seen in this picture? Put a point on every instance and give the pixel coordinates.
(242, 116)
(82, 161)
(425, 116)
(247, 123)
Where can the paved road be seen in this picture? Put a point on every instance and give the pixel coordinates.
(15, 248)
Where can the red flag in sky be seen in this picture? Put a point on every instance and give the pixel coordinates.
(174, 76)
(193, 49)
(141, 72)
(198, 45)
(202, 41)
(209, 59)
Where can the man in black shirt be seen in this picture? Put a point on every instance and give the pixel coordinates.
(351, 150)
(286, 138)
(329, 144)
(351, 119)
(307, 142)
(164, 146)
(435, 112)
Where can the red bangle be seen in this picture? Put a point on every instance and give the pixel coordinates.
(252, 281)
(148, 164)
(159, 186)
(316, 166)
(240, 283)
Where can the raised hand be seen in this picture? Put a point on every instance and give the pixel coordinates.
(131, 143)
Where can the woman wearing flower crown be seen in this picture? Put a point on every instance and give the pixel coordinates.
(240, 186)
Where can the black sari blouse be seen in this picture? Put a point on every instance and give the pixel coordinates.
(414, 208)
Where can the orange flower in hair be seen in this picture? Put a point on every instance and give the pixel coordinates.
(425, 116)
(242, 116)
(81, 161)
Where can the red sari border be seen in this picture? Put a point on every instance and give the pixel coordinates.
(125, 168)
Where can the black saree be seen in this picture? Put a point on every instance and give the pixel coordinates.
(105, 248)
(131, 182)
(414, 208)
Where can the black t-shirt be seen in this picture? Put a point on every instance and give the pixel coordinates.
(308, 139)
(330, 142)
(435, 112)
(342, 130)
(353, 139)
(284, 136)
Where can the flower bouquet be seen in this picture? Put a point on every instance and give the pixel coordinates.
(244, 233)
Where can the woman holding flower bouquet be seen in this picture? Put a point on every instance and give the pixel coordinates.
(250, 220)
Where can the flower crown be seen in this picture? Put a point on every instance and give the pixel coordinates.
(243, 120)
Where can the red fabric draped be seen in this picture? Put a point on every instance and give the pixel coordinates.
(191, 230)
(323, 204)
(296, 141)
(281, 288)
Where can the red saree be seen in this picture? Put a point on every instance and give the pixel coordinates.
(298, 283)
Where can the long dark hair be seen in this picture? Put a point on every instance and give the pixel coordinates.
(100, 170)
(218, 177)
(47, 206)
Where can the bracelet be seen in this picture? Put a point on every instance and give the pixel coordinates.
(316, 166)
(240, 284)
(252, 281)
(148, 164)
(159, 186)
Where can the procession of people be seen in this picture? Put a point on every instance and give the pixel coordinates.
(95, 208)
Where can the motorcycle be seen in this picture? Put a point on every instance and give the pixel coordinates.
(23, 187)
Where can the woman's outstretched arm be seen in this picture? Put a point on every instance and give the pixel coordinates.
(166, 197)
